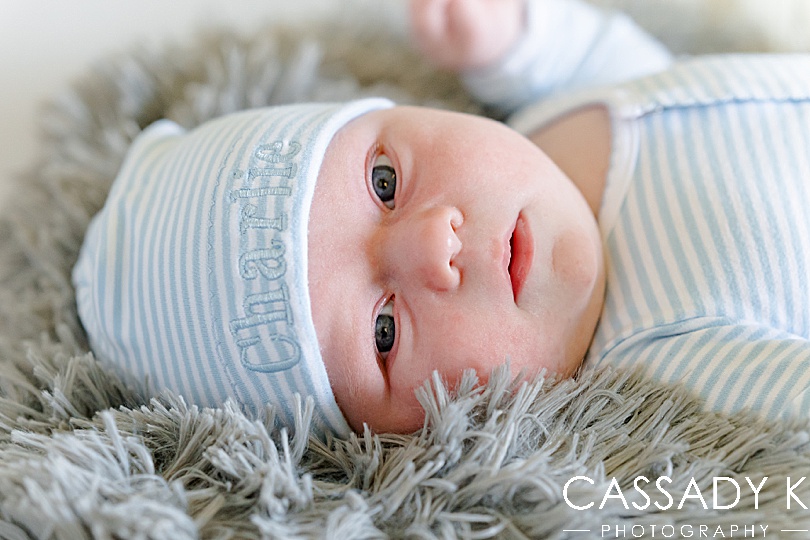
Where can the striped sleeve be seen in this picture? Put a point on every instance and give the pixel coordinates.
(567, 45)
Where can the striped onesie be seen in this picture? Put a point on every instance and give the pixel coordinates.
(707, 233)
(706, 228)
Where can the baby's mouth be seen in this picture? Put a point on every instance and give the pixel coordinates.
(521, 247)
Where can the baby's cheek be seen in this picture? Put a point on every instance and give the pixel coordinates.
(441, 345)
(481, 341)
(463, 337)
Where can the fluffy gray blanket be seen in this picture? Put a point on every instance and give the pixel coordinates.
(82, 456)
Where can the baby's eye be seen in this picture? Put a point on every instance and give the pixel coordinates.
(384, 329)
(384, 180)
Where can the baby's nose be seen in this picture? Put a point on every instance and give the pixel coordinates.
(422, 247)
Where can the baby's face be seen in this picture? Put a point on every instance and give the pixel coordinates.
(443, 241)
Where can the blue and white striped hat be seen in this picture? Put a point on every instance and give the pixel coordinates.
(193, 276)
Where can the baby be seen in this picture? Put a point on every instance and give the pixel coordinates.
(345, 252)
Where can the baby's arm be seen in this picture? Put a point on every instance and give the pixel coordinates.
(464, 35)
(512, 52)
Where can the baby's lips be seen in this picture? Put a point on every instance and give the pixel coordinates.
(522, 254)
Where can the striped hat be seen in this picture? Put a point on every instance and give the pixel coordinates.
(193, 277)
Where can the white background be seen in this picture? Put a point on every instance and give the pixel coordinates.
(44, 44)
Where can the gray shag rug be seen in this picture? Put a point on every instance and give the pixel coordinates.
(81, 456)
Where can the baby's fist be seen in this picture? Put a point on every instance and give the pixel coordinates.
(466, 34)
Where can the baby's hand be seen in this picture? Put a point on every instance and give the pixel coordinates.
(466, 34)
